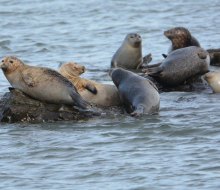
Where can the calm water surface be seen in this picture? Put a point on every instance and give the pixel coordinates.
(176, 149)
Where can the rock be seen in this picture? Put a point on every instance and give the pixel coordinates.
(214, 56)
(15, 106)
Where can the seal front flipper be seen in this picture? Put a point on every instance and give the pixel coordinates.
(90, 87)
(139, 111)
(28, 79)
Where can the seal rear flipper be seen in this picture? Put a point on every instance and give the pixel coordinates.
(90, 87)
(164, 55)
(152, 66)
(113, 64)
(153, 71)
(147, 59)
(78, 100)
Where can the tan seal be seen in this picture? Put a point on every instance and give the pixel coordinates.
(180, 37)
(139, 95)
(41, 83)
(96, 93)
(213, 79)
(129, 54)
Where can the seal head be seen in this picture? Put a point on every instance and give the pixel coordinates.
(129, 54)
(180, 38)
(213, 79)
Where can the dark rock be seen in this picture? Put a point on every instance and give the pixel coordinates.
(15, 106)
(214, 56)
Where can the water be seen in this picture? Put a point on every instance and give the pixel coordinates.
(176, 149)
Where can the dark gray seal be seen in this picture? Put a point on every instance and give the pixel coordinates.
(181, 65)
(129, 55)
(138, 95)
(180, 37)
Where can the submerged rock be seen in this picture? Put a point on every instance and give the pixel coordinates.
(15, 106)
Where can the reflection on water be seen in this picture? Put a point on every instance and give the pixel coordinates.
(176, 149)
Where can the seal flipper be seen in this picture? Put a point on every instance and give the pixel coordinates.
(78, 101)
(154, 71)
(139, 111)
(90, 87)
(147, 59)
(164, 55)
(28, 79)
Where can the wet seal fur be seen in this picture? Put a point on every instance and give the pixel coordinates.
(180, 37)
(139, 95)
(181, 65)
(129, 54)
(41, 83)
(95, 93)
(213, 79)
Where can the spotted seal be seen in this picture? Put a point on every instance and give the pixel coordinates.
(138, 95)
(180, 37)
(41, 83)
(96, 93)
(129, 54)
(181, 65)
(213, 79)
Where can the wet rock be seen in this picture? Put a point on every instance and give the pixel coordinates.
(15, 106)
(214, 56)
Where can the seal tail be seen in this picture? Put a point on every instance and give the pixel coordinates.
(78, 100)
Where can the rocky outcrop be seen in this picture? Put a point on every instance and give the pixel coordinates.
(15, 106)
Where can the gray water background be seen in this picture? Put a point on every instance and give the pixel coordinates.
(176, 149)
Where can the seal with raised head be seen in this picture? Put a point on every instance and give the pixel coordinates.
(181, 65)
(138, 95)
(93, 92)
(180, 37)
(213, 79)
(41, 83)
(129, 54)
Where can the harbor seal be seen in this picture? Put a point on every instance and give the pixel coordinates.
(138, 95)
(93, 92)
(213, 79)
(129, 54)
(41, 83)
(181, 65)
(180, 37)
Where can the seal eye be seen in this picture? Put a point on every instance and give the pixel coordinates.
(11, 61)
(3, 61)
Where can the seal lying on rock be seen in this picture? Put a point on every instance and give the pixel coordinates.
(180, 38)
(139, 95)
(181, 65)
(129, 55)
(93, 92)
(41, 83)
(213, 79)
